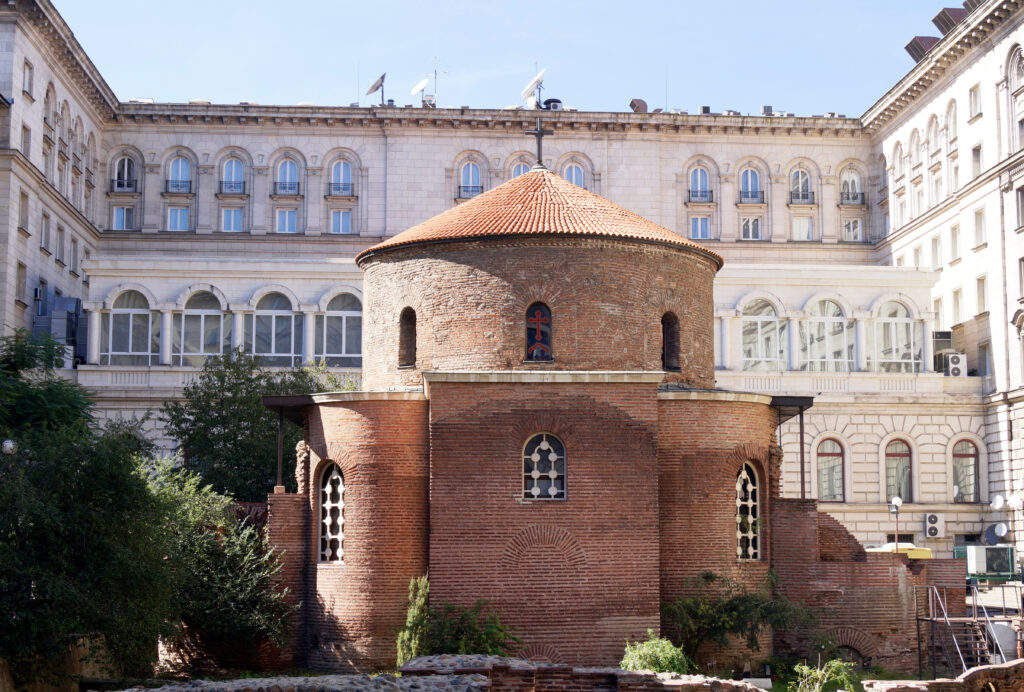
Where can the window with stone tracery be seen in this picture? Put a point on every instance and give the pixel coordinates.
(544, 468)
(748, 544)
(332, 515)
(538, 332)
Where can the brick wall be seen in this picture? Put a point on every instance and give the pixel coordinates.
(836, 543)
(1005, 677)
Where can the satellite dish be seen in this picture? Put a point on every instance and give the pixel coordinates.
(997, 502)
(990, 537)
(1001, 529)
(1015, 501)
(534, 84)
(420, 86)
(378, 84)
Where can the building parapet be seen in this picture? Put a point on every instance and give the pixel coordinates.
(854, 383)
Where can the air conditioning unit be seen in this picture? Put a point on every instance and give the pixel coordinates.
(990, 561)
(956, 364)
(934, 525)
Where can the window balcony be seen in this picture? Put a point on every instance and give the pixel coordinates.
(700, 196)
(178, 187)
(852, 198)
(751, 197)
(339, 189)
(286, 188)
(232, 187)
(123, 185)
(469, 191)
(801, 198)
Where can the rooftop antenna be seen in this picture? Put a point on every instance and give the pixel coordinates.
(436, 73)
(531, 92)
(379, 84)
(418, 89)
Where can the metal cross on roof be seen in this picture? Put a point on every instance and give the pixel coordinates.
(539, 133)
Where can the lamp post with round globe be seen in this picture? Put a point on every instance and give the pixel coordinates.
(894, 508)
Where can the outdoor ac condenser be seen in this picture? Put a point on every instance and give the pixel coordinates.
(956, 364)
(934, 525)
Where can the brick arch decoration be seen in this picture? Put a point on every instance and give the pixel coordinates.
(543, 653)
(526, 428)
(537, 535)
(855, 639)
(750, 452)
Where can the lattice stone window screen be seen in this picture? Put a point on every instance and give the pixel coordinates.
(544, 468)
(332, 515)
(747, 515)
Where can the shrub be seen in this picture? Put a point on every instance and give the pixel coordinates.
(657, 655)
(836, 674)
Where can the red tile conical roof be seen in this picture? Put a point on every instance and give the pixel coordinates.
(538, 203)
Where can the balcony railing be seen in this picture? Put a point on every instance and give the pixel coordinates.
(801, 198)
(232, 187)
(178, 186)
(122, 185)
(286, 188)
(468, 191)
(854, 198)
(751, 197)
(700, 196)
(339, 189)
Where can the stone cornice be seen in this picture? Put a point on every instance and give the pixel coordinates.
(973, 30)
(546, 376)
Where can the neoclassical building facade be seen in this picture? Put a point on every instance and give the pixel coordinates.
(851, 246)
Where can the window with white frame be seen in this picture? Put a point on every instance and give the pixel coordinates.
(129, 332)
(26, 141)
(200, 330)
(897, 161)
(231, 219)
(830, 471)
(965, 472)
(750, 228)
(544, 468)
(700, 185)
(332, 515)
(750, 187)
(914, 149)
(573, 172)
(895, 343)
(520, 169)
(979, 227)
(976, 161)
(748, 519)
(124, 175)
(852, 231)
(939, 322)
(954, 242)
(800, 228)
(123, 218)
(341, 179)
(273, 332)
(27, 77)
(469, 176)
(287, 178)
(981, 284)
(849, 187)
(958, 306)
(898, 471)
(765, 337)
(341, 221)
(339, 333)
(974, 100)
(177, 218)
(287, 220)
(951, 124)
(44, 232)
(179, 175)
(936, 188)
(60, 244)
(232, 181)
(700, 227)
(826, 339)
(917, 257)
(800, 187)
(936, 252)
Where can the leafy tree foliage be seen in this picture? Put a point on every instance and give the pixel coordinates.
(656, 654)
(833, 674)
(226, 434)
(720, 607)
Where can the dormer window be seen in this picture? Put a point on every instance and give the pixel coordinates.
(538, 333)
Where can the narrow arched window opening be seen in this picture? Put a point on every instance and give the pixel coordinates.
(898, 471)
(669, 341)
(544, 468)
(332, 515)
(538, 333)
(407, 338)
(830, 471)
(965, 472)
(748, 528)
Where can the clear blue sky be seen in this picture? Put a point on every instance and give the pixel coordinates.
(803, 56)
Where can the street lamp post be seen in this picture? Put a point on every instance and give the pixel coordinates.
(894, 508)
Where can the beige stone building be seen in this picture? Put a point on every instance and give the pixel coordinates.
(852, 245)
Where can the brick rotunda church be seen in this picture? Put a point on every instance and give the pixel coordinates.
(539, 427)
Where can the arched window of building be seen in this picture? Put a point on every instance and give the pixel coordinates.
(897, 471)
(407, 338)
(233, 182)
(830, 471)
(339, 332)
(951, 124)
(287, 178)
(341, 179)
(826, 339)
(179, 175)
(470, 177)
(764, 337)
(669, 341)
(800, 187)
(897, 161)
(199, 331)
(544, 468)
(272, 332)
(748, 546)
(124, 175)
(897, 340)
(850, 191)
(538, 332)
(700, 185)
(750, 187)
(933, 135)
(520, 169)
(130, 332)
(965, 472)
(573, 172)
(332, 515)
(915, 148)
(1016, 71)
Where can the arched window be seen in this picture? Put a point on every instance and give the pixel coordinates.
(748, 545)
(470, 176)
(272, 333)
(339, 332)
(764, 337)
(124, 175)
(179, 175)
(951, 121)
(750, 187)
(897, 340)
(1016, 71)
(233, 183)
(538, 333)
(849, 187)
(407, 338)
(341, 179)
(332, 515)
(544, 468)
(199, 332)
(520, 169)
(826, 339)
(897, 471)
(700, 185)
(897, 161)
(933, 134)
(965, 472)
(669, 341)
(573, 172)
(915, 148)
(287, 178)
(130, 332)
(800, 187)
(830, 471)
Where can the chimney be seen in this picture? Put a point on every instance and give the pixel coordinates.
(948, 17)
(920, 45)
(638, 105)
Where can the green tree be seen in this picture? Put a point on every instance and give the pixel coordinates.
(833, 674)
(226, 434)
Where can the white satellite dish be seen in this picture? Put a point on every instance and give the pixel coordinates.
(1015, 501)
(420, 86)
(1001, 529)
(534, 84)
(997, 502)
